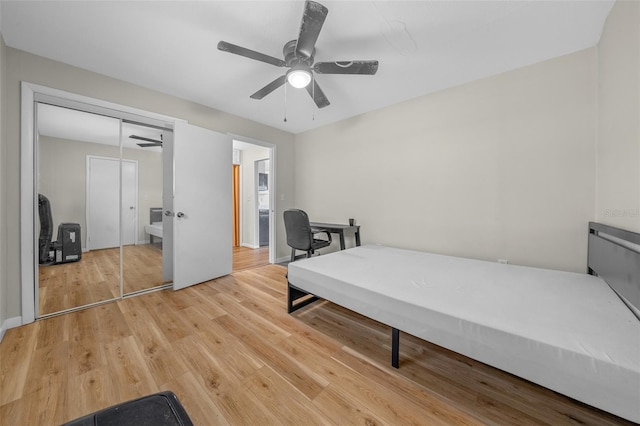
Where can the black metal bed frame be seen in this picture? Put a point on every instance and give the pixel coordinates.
(617, 263)
(293, 294)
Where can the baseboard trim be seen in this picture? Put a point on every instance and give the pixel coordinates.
(251, 246)
(9, 323)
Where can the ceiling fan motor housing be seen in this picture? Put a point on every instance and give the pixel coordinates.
(290, 57)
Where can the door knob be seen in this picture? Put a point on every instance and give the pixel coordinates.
(168, 213)
(131, 208)
(180, 214)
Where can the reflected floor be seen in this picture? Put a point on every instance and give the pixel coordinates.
(96, 277)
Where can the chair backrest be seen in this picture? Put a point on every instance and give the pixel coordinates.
(46, 227)
(296, 223)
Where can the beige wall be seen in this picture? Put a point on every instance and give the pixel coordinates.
(618, 172)
(22, 66)
(62, 178)
(501, 168)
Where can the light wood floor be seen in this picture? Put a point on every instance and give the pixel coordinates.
(246, 258)
(96, 277)
(233, 355)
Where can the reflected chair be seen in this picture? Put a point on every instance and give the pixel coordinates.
(300, 236)
(46, 230)
(68, 247)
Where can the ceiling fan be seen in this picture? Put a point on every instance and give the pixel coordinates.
(299, 56)
(149, 142)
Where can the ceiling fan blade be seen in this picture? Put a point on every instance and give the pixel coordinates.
(317, 94)
(142, 138)
(312, 21)
(347, 67)
(269, 88)
(147, 145)
(251, 54)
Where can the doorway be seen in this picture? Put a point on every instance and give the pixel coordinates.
(256, 202)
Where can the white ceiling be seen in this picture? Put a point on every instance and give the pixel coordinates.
(69, 124)
(422, 46)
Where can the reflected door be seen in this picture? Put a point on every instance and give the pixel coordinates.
(103, 202)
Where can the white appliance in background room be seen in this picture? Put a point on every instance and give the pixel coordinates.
(262, 169)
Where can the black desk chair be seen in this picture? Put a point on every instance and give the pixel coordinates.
(68, 247)
(299, 234)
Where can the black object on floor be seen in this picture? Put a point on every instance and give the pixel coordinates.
(159, 409)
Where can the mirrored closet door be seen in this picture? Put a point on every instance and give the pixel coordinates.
(143, 236)
(100, 200)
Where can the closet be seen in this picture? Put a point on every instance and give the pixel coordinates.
(112, 177)
(105, 182)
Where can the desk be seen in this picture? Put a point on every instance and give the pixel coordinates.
(337, 228)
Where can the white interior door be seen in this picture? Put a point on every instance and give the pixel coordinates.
(103, 202)
(202, 205)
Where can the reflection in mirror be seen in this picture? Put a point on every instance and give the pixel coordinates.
(77, 230)
(142, 230)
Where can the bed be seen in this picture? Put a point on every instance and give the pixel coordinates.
(154, 228)
(577, 334)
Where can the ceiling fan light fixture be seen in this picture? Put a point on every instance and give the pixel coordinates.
(299, 77)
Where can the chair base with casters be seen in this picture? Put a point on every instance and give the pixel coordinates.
(300, 236)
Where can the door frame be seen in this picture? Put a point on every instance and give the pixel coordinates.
(237, 203)
(30, 94)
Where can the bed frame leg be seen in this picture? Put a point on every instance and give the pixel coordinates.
(294, 293)
(395, 347)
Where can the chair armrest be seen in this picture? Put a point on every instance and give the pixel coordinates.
(321, 231)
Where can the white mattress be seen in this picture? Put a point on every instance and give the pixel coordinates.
(566, 331)
(154, 229)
